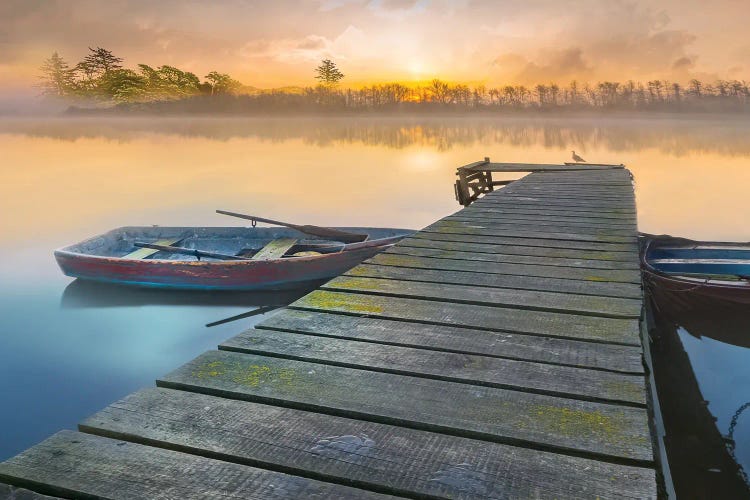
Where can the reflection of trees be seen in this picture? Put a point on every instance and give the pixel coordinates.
(675, 137)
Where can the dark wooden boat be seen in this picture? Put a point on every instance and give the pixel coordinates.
(219, 258)
(711, 270)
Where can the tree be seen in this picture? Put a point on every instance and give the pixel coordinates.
(102, 61)
(328, 74)
(439, 91)
(57, 77)
(221, 83)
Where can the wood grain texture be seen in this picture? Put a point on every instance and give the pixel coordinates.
(502, 268)
(8, 492)
(462, 253)
(532, 300)
(622, 331)
(507, 281)
(565, 352)
(500, 216)
(527, 376)
(378, 456)
(473, 229)
(540, 210)
(540, 242)
(526, 225)
(618, 260)
(596, 430)
(73, 464)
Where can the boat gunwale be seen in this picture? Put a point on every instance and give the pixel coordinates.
(66, 251)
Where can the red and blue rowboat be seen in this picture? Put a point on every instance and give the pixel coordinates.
(706, 269)
(218, 258)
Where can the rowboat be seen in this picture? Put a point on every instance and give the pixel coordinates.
(710, 270)
(222, 258)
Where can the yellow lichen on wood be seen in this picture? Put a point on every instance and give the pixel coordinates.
(332, 300)
(211, 369)
(572, 422)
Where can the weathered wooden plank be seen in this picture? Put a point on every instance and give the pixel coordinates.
(540, 210)
(618, 331)
(543, 220)
(275, 249)
(527, 376)
(378, 456)
(497, 268)
(466, 254)
(566, 352)
(583, 192)
(560, 194)
(142, 253)
(9, 492)
(456, 227)
(545, 167)
(74, 464)
(597, 430)
(513, 282)
(606, 248)
(560, 207)
(619, 207)
(617, 260)
(532, 300)
(530, 225)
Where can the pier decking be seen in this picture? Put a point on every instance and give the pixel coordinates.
(494, 354)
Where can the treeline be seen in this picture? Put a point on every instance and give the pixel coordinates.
(101, 77)
(439, 96)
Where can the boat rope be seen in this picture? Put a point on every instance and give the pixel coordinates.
(730, 439)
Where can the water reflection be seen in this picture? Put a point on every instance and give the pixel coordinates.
(69, 349)
(678, 136)
(700, 350)
(89, 294)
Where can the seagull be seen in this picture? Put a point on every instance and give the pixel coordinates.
(577, 158)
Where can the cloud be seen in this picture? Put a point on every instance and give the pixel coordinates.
(491, 41)
(561, 65)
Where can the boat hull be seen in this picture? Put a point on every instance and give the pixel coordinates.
(230, 275)
(664, 282)
(235, 275)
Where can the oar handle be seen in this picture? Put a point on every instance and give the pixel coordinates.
(257, 219)
(320, 232)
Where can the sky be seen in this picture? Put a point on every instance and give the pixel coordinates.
(279, 43)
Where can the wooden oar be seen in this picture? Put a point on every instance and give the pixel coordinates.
(254, 312)
(322, 232)
(189, 251)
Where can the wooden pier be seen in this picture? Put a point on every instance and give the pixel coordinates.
(495, 354)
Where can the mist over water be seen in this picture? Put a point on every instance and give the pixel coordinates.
(65, 353)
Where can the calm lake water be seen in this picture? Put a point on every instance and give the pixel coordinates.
(69, 350)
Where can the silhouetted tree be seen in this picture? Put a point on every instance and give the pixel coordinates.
(57, 77)
(328, 74)
(102, 61)
(221, 83)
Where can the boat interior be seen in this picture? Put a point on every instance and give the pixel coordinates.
(728, 261)
(255, 243)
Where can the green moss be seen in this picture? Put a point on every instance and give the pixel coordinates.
(595, 278)
(211, 369)
(627, 390)
(349, 303)
(601, 256)
(355, 283)
(253, 375)
(573, 423)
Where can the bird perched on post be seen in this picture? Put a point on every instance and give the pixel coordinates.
(577, 158)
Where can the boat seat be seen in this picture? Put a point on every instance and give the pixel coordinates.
(142, 253)
(275, 249)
